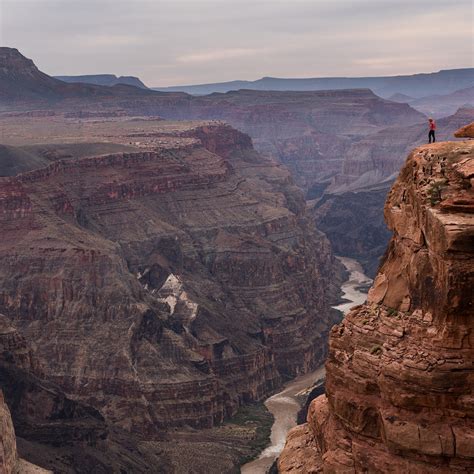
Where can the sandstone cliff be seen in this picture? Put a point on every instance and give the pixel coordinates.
(465, 132)
(399, 387)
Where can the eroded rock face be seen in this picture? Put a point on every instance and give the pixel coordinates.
(166, 286)
(399, 385)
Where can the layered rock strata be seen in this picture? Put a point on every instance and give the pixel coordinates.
(399, 385)
(52, 430)
(341, 139)
(168, 285)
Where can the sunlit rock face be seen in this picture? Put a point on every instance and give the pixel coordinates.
(465, 132)
(399, 387)
(168, 285)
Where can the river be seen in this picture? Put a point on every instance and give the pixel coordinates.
(284, 406)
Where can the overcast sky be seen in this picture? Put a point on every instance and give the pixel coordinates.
(173, 42)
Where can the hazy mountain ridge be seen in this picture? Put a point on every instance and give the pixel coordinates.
(22, 81)
(444, 105)
(416, 85)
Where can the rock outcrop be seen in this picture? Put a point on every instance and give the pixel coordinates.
(169, 285)
(399, 384)
(465, 132)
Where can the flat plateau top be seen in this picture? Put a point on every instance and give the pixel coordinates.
(131, 131)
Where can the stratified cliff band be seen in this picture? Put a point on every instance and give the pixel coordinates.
(168, 285)
(400, 378)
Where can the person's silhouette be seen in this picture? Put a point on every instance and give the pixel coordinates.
(431, 133)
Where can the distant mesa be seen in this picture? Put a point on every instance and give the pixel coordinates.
(104, 80)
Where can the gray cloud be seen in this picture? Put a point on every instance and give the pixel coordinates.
(183, 41)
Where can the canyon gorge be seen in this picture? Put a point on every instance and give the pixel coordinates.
(168, 262)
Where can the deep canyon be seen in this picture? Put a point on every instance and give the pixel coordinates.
(168, 263)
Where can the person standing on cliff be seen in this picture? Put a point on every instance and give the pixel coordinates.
(431, 134)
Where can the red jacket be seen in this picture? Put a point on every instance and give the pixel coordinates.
(433, 125)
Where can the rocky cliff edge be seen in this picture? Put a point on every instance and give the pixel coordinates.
(400, 379)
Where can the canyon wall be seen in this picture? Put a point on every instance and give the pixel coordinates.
(310, 132)
(167, 286)
(399, 384)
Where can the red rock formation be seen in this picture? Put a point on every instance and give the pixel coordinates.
(399, 387)
(465, 132)
(165, 287)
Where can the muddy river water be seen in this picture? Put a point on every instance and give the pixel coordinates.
(285, 405)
